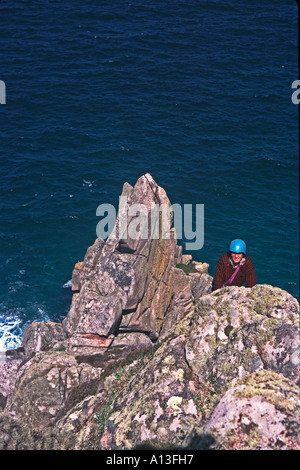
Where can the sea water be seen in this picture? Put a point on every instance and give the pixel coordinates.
(197, 93)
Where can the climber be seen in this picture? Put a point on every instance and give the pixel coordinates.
(234, 268)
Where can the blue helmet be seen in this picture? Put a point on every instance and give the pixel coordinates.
(238, 246)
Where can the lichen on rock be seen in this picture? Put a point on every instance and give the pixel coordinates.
(261, 412)
(148, 356)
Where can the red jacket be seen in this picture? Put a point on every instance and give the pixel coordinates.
(224, 270)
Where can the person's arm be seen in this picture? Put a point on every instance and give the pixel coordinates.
(218, 280)
(250, 274)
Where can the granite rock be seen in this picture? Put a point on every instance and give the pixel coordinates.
(149, 357)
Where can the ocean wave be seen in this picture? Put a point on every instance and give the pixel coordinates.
(10, 332)
(68, 284)
(14, 320)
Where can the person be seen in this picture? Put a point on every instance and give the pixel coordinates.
(234, 268)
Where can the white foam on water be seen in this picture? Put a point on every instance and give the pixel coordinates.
(88, 183)
(10, 333)
(68, 284)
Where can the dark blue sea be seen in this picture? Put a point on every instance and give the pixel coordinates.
(195, 92)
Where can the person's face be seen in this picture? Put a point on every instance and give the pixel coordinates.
(236, 257)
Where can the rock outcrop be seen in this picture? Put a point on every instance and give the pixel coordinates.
(148, 357)
(227, 342)
(124, 284)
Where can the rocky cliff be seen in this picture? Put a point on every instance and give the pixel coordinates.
(148, 357)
